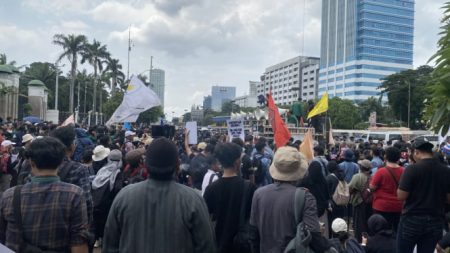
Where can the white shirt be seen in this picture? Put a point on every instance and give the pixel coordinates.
(207, 178)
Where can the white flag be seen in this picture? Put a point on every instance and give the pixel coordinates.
(69, 120)
(137, 99)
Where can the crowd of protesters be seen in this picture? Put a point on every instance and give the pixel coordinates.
(74, 188)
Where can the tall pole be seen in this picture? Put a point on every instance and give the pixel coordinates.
(56, 86)
(150, 71)
(85, 88)
(409, 101)
(129, 49)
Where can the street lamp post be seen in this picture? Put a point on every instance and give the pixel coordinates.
(409, 101)
(57, 83)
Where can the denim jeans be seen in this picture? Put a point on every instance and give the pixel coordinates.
(423, 231)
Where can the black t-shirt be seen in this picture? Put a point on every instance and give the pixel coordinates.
(428, 183)
(223, 198)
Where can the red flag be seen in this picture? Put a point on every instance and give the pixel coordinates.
(281, 134)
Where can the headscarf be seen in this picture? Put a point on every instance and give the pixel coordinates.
(108, 173)
(316, 184)
(377, 224)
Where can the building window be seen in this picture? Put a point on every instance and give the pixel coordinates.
(305, 87)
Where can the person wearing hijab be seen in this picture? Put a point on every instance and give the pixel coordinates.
(105, 186)
(335, 175)
(381, 238)
(316, 184)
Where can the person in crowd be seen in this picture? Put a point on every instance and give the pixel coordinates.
(105, 186)
(425, 188)
(261, 162)
(361, 210)
(377, 161)
(5, 164)
(384, 185)
(348, 166)
(99, 157)
(135, 171)
(23, 167)
(92, 134)
(128, 145)
(317, 185)
(228, 197)
(319, 156)
(381, 238)
(158, 215)
(246, 170)
(74, 172)
(82, 142)
(342, 240)
(335, 176)
(272, 228)
(212, 174)
(46, 213)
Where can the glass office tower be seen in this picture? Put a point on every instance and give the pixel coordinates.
(362, 42)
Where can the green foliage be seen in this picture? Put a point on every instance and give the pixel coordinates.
(27, 109)
(229, 107)
(72, 45)
(343, 113)
(437, 111)
(4, 90)
(397, 86)
(152, 115)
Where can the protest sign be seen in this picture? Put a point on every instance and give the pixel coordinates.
(191, 126)
(236, 128)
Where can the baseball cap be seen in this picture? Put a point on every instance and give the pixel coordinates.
(7, 143)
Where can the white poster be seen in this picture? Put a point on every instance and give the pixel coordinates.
(236, 128)
(191, 126)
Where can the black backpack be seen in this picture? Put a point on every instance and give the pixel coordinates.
(258, 168)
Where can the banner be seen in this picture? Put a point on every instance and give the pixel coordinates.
(236, 129)
(137, 99)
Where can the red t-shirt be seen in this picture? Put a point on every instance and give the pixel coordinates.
(385, 196)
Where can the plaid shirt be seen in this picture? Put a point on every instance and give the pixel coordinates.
(53, 213)
(76, 173)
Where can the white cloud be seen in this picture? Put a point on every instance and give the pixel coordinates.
(199, 43)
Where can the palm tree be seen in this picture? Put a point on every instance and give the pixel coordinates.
(113, 69)
(95, 54)
(438, 108)
(72, 45)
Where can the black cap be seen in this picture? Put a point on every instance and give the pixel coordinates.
(422, 145)
(161, 158)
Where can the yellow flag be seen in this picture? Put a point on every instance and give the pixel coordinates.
(320, 107)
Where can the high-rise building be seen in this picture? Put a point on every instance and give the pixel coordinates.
(207, 103)
(285, 79)
(220, 95)
(362, 42)
(157, 83)
(253, 88)
(310, 81)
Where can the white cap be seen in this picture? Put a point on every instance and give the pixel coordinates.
(7, 143)
(339, 225)
(129, 133)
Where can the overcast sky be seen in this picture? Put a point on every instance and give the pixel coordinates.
(199, 43)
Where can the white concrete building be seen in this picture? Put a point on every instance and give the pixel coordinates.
(285, 79)
(310, 81)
